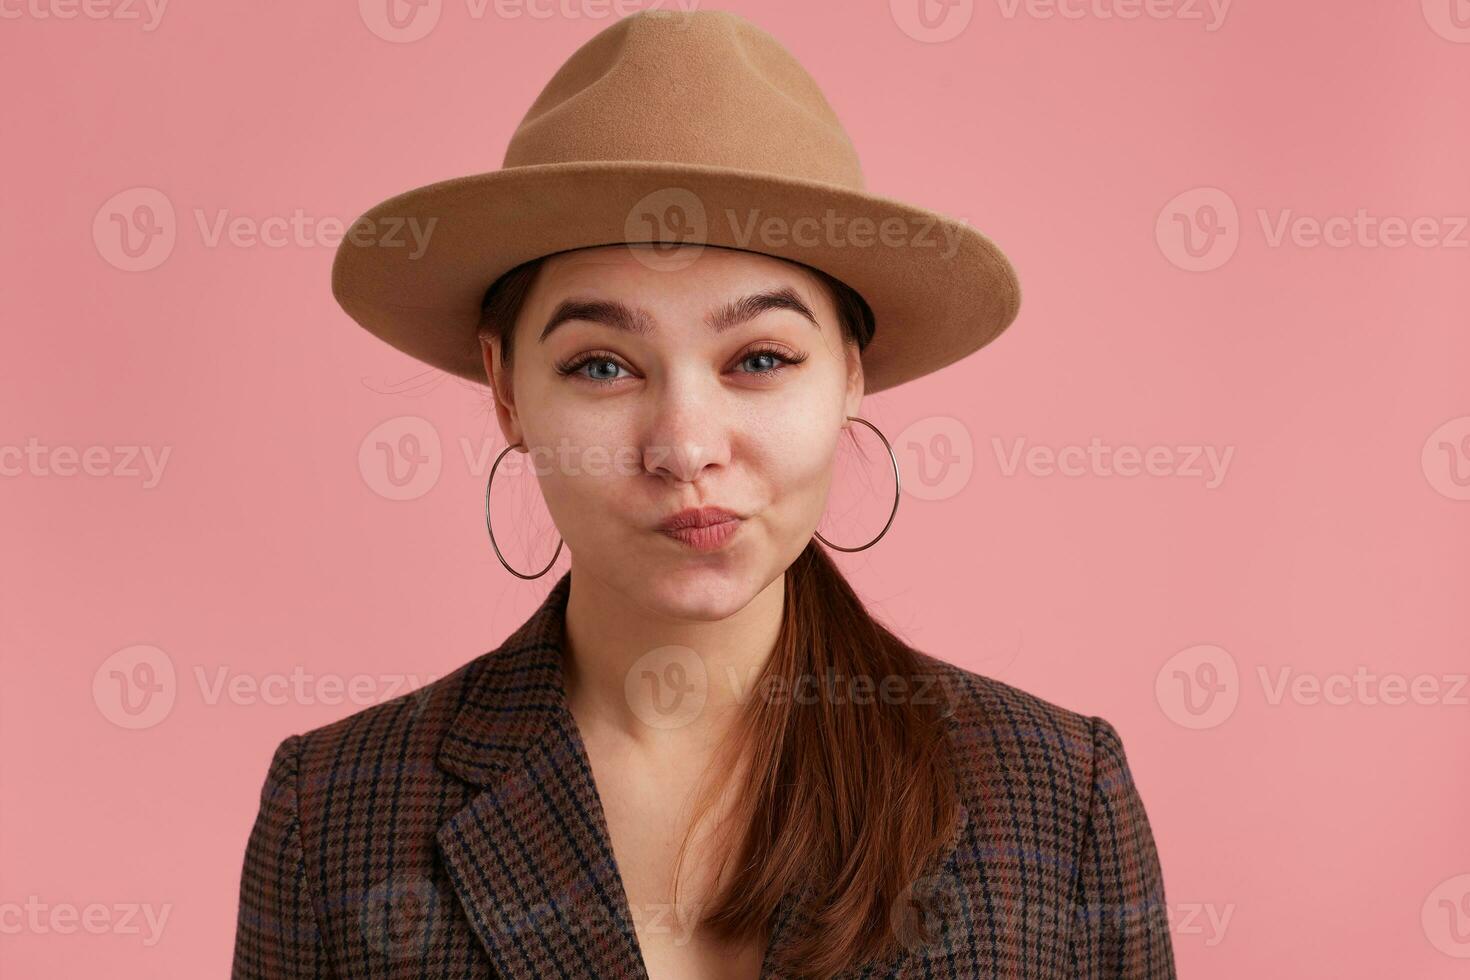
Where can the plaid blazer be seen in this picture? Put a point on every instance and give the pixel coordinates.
(456, 831)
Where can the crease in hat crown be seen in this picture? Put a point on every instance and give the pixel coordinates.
(705, 88)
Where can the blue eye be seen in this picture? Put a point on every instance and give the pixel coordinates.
(773, 359)
(575, 366)
(768, 354)
(601, 362)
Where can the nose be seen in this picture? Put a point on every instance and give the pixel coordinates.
(687, 433)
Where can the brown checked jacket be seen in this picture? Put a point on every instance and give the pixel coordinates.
(456, 831)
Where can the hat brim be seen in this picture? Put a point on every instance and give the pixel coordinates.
(413, 269)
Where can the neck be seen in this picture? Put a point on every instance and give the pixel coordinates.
(690, 693)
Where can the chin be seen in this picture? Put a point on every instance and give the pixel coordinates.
(701, 591)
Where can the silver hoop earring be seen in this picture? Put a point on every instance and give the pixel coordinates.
(559, 541)
(896, 490)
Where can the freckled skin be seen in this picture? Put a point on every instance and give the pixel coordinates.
(686, 422)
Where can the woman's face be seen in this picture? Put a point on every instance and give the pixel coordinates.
(642, 387)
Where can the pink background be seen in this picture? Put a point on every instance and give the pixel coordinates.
(1300, 834)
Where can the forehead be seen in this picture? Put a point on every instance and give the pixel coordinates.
(684, 282)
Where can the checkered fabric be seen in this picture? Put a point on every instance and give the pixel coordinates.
(456, 831)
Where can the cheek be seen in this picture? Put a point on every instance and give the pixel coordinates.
(584, 469)
(793, 456)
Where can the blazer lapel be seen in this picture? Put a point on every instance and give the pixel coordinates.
(530, 856)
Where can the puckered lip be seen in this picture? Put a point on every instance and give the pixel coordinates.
(697, 517)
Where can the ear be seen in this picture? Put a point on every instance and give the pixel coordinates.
(502, 392)
(855, 380)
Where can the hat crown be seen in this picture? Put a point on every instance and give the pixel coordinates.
(706, 88)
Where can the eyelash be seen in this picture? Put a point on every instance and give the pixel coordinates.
(595, 357)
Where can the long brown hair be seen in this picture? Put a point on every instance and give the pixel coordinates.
(844, 799)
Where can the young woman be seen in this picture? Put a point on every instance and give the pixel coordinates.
(700, 757)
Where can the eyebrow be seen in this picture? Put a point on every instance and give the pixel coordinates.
(622, 317)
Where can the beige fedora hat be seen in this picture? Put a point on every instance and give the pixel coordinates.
(694, 128)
